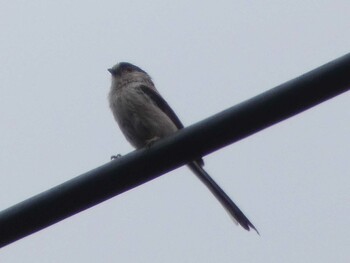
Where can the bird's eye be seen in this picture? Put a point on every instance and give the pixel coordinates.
(128, 69)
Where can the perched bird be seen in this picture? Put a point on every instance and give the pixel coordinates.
(145, 117)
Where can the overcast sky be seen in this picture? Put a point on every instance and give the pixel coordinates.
(291, 180)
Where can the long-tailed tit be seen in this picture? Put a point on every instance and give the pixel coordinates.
(144, 117)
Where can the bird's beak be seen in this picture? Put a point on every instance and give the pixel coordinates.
(111, 71)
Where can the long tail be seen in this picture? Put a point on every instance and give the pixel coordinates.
(223, 198)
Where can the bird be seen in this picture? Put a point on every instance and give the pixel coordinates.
(145, 117)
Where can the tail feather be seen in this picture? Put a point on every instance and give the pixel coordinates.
(223, 198)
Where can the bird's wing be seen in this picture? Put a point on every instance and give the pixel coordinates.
(164, 106)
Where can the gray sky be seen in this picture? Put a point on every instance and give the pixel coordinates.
(291, 180)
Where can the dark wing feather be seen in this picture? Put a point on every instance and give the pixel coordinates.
(162, 104)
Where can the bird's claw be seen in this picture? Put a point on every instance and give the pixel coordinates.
(150, 142)
(114, 157)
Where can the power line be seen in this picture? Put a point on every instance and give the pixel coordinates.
(200, 139)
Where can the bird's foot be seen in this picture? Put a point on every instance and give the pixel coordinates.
(150, 142)
(114, 157)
